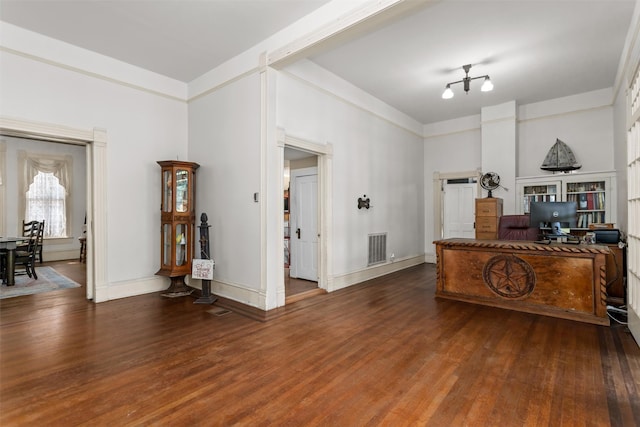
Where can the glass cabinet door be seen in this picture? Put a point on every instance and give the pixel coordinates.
(166, 244)
(182, 239)
(182, 190)
(167, 190)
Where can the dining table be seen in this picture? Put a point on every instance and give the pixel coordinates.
(9, 245)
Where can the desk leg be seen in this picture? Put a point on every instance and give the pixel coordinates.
(11, 267)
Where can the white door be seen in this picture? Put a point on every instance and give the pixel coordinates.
(304, 226)
(459, 210)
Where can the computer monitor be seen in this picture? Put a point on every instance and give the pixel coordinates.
(554, 215)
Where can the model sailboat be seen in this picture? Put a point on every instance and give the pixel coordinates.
(560, 158)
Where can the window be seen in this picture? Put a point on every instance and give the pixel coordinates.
(46, 200)
(45, 190)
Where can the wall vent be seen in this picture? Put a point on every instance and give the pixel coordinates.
(377, 248)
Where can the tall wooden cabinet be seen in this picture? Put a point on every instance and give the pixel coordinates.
(488, 213)
(177, 230)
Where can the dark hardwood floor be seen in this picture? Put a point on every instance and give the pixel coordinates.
(384, 352)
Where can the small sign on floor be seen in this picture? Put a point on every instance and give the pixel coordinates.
(202, 269)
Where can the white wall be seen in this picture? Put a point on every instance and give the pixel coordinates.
(453, 146)
(224, 138)
(373, 154)
(55, 249)
(584, 122)
(142, 125)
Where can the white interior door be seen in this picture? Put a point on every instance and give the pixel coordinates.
(459, 210)
(304, 225)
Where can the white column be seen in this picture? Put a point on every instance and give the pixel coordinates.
(499, 150)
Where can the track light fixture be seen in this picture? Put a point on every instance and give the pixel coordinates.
(486, 85)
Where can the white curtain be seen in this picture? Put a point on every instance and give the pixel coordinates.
(58, 166)
(46, 201)
(48, 205)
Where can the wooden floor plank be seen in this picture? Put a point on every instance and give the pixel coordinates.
(384, 352)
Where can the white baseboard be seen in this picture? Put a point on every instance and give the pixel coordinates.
(235, 292)
(130, 288)
(339, 282)
(430, 258)
(61, 255)
(240, 293)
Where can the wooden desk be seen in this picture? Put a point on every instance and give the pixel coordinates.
(559, 280)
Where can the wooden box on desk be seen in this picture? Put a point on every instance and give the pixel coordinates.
(596, 226)
(488, 213)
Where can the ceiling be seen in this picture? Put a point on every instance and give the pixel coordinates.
(533, 49)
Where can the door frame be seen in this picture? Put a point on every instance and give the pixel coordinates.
(325, 167)
(95, 142)
(438, 196)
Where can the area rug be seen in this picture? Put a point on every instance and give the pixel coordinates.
(48, 280)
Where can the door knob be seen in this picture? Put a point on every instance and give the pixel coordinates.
(298, 232)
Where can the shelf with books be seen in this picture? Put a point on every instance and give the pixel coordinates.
(594, 193)
(589, 201)
(538, 192)
(591, 197)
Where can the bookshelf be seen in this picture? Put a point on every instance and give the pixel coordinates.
(591, 200)
(539, 192)
(594, 193)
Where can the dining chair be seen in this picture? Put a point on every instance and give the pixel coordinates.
(26, 259)
(26, 231)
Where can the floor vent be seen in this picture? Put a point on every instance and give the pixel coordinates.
(219, 311)
(377, 248)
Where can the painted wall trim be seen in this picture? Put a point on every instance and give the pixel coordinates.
(29, 44)
(224, 83)
(239, 293)
(91, 74)
(130, 288)
(353, 278)
(367, 15)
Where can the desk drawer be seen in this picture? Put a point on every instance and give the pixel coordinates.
(486, 224)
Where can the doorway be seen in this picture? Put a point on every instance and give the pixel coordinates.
(301, 224)
(442, 206)
(95, 142)
(459, 197)
(54, 165)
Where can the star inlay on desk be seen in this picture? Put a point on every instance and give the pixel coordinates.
(509, 276)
